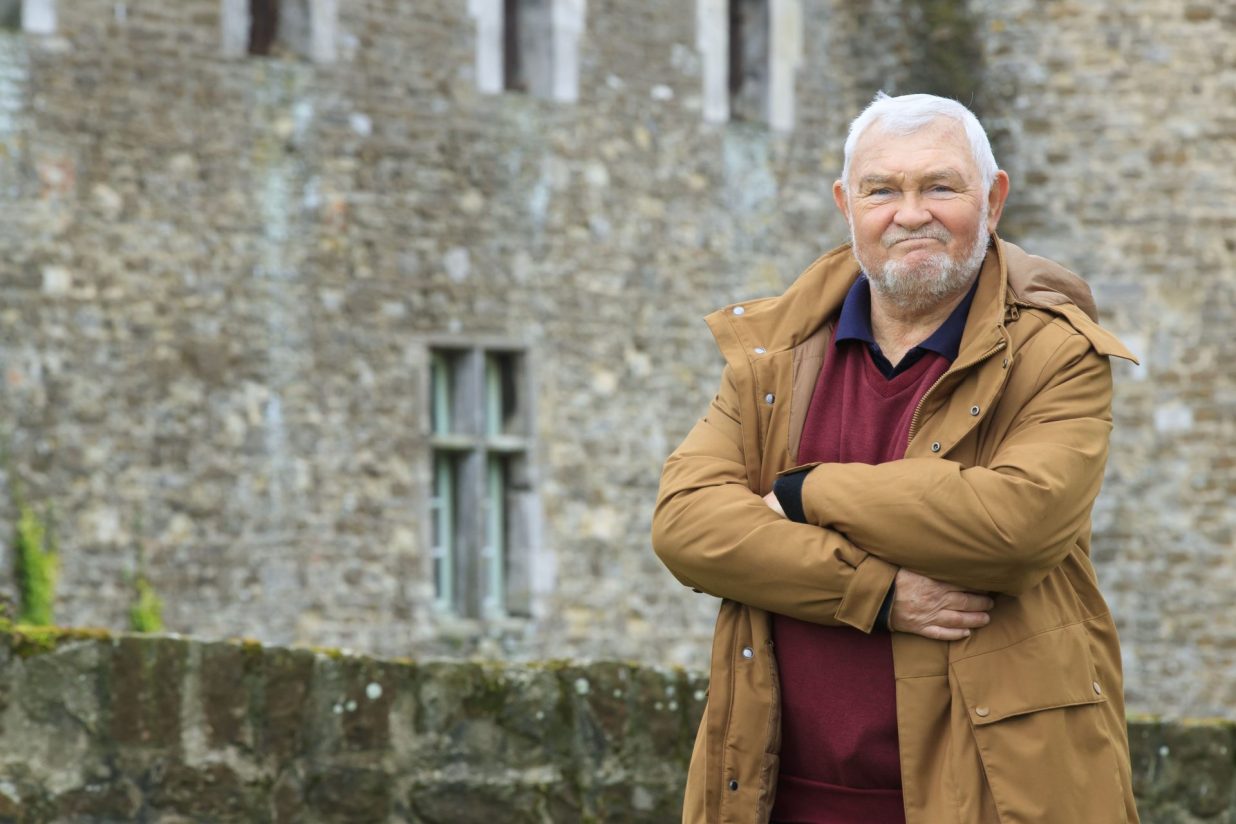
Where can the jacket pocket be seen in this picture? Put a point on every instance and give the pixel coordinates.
(1037, 714)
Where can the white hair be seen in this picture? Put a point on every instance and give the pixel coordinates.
(908, 114)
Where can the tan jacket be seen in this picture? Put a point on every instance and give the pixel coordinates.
(1023, 721)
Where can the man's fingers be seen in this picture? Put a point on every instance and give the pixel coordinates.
(938, 633)
(968, 602)
(953, 619)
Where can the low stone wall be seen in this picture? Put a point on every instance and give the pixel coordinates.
(97, 728)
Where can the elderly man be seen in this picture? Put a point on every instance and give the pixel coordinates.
(891, 493)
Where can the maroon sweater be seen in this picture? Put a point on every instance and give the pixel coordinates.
(839, 754)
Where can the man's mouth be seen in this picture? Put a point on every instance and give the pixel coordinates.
(889, 242)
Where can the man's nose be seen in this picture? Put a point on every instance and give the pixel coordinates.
(911, 213)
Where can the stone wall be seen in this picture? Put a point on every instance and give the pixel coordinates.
(1119, 121)
(221, 274)
(129, 728)
(139, 728)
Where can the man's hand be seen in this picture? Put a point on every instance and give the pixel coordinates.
(925, 606)
(774, 504)
(943, 612)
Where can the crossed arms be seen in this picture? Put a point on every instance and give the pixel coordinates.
(999, 527)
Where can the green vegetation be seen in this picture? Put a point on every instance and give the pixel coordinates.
(146, 614)
(38, 566)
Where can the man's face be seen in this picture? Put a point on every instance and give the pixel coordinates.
(919, 218)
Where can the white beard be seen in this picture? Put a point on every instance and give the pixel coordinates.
(915, 287)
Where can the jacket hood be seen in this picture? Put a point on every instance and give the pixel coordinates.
(1043, 284)
(1037, 281)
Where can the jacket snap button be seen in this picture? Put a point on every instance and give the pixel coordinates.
(1097, 691)
(1005, 365)
(748, 653)
(935, 447)
(982, 712)
(769, 398)
(759, 350)
(738, 310)
(974, 410)
(733, 784)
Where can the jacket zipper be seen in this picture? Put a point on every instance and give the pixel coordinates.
(918, 410)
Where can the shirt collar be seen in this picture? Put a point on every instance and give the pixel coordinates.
(855, 321)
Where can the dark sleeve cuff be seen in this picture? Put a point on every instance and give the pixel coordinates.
(886, 611)
(789, 492)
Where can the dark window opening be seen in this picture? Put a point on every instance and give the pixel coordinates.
(512, 69)
(281, 28)
(749, 55)
(263, 25)
(527, 46)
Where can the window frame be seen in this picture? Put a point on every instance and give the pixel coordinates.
(243, 34)
(487, 440)
(723, 40)
(529, 47)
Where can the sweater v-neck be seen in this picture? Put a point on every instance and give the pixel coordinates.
(875, 380)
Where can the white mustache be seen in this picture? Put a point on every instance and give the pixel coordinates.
(896, 235)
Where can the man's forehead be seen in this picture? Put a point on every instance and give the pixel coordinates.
(938, 146)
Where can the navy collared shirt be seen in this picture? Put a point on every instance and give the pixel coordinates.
(855, 324)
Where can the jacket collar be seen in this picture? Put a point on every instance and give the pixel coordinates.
(757, 329)
(854, 322)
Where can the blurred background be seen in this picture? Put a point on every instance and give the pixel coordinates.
(369, 323)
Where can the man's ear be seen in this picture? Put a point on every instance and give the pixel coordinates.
(839, 199)
(995, 199)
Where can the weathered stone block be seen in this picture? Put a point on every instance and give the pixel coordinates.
(143, 689)
(468, 709)
(280, 713)
(454, 801)
(349, 795)
(224, 674)
(211, 791)
(1202, 756)
(118, 800)
(369, 689)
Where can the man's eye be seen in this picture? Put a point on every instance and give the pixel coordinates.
(881, 192)
(941, 188)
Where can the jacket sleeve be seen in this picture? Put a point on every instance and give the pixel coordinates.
(718, 536)
(1001, 527)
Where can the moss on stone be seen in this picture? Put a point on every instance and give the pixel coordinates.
(25, 640)
(333, 653)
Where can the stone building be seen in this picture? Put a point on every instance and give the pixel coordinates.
(369, 323)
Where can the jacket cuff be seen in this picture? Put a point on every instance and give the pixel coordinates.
(789, 491)
(870, 587)
(886, 610)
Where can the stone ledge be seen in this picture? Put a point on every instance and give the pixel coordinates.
(96, 727)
